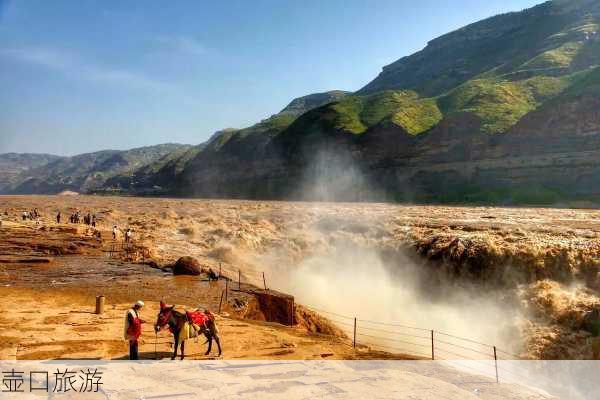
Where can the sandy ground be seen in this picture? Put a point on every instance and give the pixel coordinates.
(59, 325)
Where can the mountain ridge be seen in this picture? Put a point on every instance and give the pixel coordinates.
(82, 172)
(464, 119)
(449, 126)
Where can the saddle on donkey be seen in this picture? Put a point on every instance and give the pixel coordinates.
(195, 322)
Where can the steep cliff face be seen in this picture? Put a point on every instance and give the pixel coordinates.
(551, 155)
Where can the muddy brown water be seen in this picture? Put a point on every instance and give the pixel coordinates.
(117, 281)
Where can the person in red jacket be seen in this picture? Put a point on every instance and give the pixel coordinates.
(133, 329)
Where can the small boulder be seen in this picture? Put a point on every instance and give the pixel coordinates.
(187, 266)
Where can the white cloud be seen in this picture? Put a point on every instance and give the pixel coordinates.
(183, 44)
(40, 56)
(124, 78)
(72, 65)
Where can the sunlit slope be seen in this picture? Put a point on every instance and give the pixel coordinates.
(553, 38)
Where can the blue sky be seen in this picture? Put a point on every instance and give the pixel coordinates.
(84, 75)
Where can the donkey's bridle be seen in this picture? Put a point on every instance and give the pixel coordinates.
(163, 317)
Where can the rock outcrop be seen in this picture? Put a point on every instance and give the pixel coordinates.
(187, 266)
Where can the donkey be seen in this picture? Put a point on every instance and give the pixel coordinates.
(176, 322)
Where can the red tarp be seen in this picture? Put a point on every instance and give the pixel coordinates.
(197, 317)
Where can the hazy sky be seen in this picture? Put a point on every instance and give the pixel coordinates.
(84, 75)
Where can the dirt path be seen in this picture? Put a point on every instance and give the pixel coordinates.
(58, 325)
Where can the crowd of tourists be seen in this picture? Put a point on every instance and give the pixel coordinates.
(127, 234)
(32, 215)
(77, 218)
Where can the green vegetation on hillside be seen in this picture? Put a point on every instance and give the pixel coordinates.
(584, 82)
(561, 56)
(176, 159)
(555, 37)
(266, 129)
(415, 115)
(501, 103)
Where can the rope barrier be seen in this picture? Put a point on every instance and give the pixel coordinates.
(393, 332)
(393, 340)
(460, 338)
(395, 349)
(397, 325)
(327, 312)
(344, 323)
(448, 343)
(509, 354)
(462, 347)
(349, 324)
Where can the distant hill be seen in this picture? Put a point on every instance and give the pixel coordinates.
(82, 173)
(13, 165)
(165, 175)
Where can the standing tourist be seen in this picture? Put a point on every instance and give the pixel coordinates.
(133, 328)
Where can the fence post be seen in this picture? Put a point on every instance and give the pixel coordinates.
(496, 364)
(354, 337)
(221, 301)
(239, 279)
(220, 271)
(99, 304)
(432, 349)
(264, 280)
